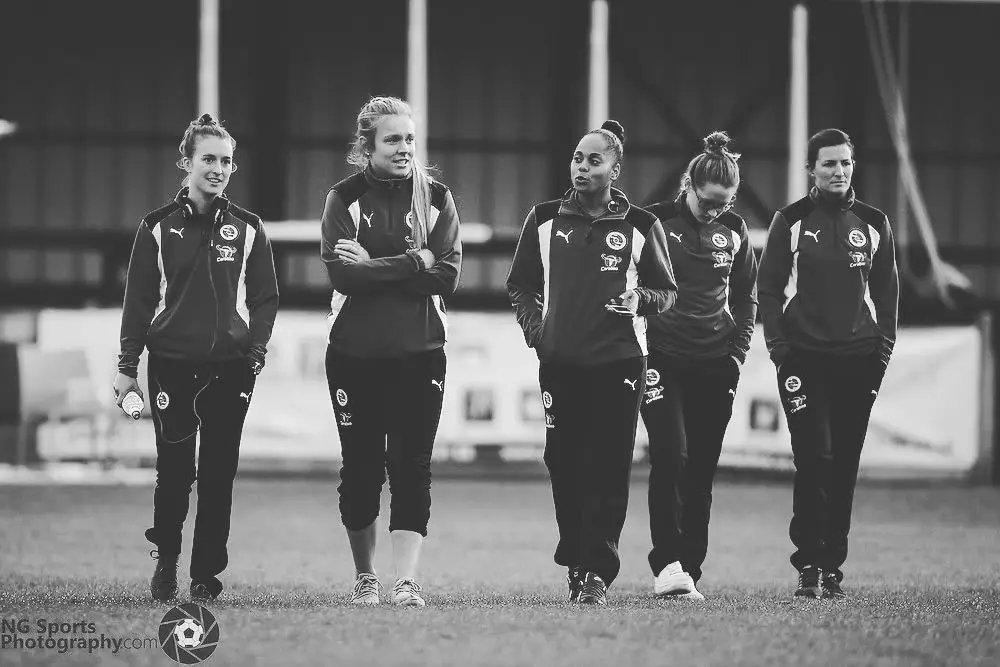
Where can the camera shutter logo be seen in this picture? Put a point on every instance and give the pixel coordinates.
(719, 240)
(793, 383)
(162, 400)
(189, 634)
(615, 240)
(229, 232)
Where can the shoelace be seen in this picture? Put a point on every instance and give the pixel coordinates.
(406, 585)
(591, 588)
(809, 577)
(365, 586)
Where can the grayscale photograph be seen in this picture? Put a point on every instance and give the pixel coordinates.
(463, 333)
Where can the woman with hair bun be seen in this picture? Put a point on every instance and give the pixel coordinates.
(829, 296)
(201, 296)
(588, 270)
(696, 350)
(392, 251)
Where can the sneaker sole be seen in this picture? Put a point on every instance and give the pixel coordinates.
(409, 602)
(812, 595)
(674, 591)
(365, 603)
(693, 595)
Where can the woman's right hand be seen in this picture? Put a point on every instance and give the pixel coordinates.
(123, 385)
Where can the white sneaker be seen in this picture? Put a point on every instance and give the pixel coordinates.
(673, 580)
(406, 593)
(367, 590)
(693, 595)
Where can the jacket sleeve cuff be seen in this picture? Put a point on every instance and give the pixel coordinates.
(128, 369)
(418, 263)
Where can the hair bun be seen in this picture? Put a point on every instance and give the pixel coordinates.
(716, 142)
(206, 119)
(615, 128)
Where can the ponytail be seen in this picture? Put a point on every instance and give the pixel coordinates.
(715, 164)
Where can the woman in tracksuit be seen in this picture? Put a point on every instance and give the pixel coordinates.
(587, 271)
(696, 350)
(829, 293)
(392, 250)
(201, 296)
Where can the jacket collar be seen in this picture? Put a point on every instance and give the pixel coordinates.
(618, 207)
(684, 211)
(218, 209)
(386, 183)
(825, 200)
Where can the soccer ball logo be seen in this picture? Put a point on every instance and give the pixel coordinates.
(189, 633)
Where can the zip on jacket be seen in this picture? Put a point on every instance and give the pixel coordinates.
(828, 280)
(716, 273)
(568, 266)
(388, 306)
(200, 287)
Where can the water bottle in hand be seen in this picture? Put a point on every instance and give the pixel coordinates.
(132, 405)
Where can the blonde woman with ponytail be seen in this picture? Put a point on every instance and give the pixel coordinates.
(392, 250)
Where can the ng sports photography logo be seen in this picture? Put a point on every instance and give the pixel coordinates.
(45, 635)
(189, 634)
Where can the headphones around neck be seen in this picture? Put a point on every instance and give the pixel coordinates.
(218, 210)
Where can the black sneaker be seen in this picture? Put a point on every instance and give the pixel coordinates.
(593, 590)
(574, 582)
(202, 591)
(163, 584)
(831, 587)
(808, 582)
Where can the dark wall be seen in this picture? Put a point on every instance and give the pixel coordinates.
(103, 90)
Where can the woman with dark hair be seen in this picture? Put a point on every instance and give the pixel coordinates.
(696, 350)
(588, 269)
(829, 293)
(201, 296)
(392, 250)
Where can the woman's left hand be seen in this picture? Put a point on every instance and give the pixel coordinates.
(627, 304)
(351, 251)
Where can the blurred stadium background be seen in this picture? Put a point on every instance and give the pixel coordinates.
(93, 99)
(95, 96)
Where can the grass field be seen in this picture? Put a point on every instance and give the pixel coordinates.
(923, 579)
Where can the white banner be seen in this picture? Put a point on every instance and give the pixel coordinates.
(927, 416)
